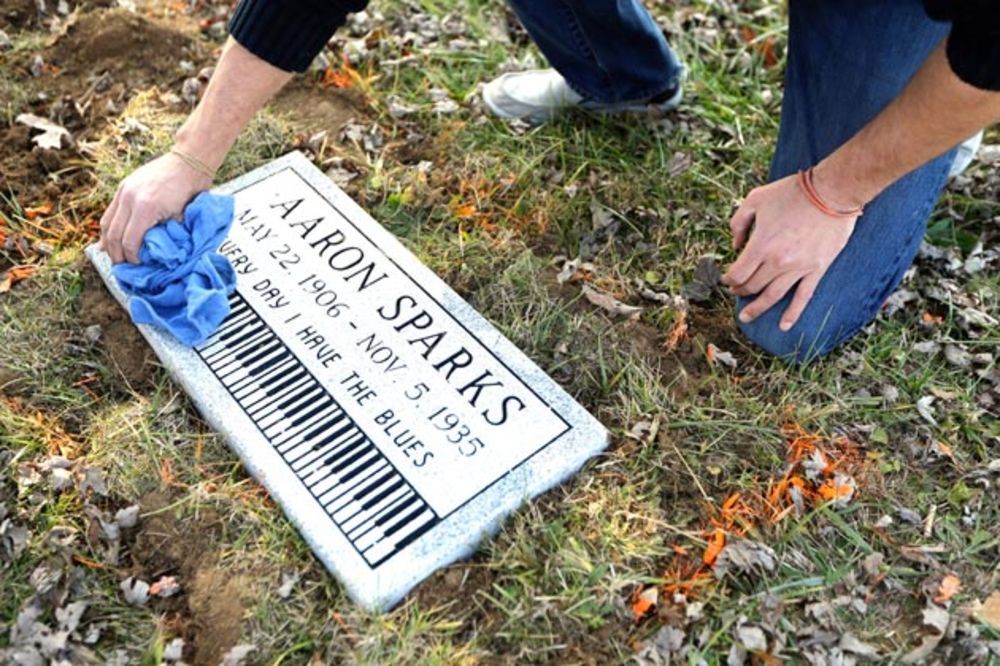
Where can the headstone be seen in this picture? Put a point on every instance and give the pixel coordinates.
(393, 424)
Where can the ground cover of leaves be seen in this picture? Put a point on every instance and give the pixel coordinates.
(745, 511)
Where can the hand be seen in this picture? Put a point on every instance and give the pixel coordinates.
(154, 192)
(791, 246)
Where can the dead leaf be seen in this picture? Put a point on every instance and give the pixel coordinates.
(575, 270)
(926, 410)
(645, 601)
(715, 546)
(851, 643)
(174, 650)
(611, 304)
(664, 649)
(135, 591)
(717, 356)
(949, 586)
(52, 136)
(744, 556)
(237, 656)
(165, 587)
(752, 637)
(936, 620)
(128, 517)
(988, 612)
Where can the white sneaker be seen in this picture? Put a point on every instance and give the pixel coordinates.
(539, 95)
(965, 154)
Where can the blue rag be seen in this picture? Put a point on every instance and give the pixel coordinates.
(182, 283)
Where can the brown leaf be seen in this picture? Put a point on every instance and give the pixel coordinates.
(611, 304)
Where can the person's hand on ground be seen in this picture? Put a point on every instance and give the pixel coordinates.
(154, 192)
(787, 244)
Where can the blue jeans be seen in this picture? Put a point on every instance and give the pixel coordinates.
(847, 59)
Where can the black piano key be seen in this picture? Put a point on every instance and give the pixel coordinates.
(391, 509)
(359, 469)
(405, 520)
(390, 516)
(302, 423)
(339, 463)
(370, 487)
(239, 362)
(256, 358)
(318, 430)
(375, 499)
(324, 402)
(298, 390)
(283, 383)
(409, 538)
(256, 407)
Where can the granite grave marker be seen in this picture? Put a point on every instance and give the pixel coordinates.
(392, 423)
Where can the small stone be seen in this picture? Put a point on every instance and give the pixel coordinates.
(5, 42)
(92, 333)
(36, 66)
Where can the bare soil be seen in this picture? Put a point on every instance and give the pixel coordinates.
(315, 108)
(120, 340)
(208, 612)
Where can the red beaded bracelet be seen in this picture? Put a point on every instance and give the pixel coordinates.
(809, 189)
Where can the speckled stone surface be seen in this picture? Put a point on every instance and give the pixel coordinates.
(462, 424)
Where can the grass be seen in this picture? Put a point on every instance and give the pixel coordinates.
(555, 584)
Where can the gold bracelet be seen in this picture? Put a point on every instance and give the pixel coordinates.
(193, 162)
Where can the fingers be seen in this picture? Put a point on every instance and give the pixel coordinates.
(116, 228)
(774, 292)
(744, 267)
(740, 224)
(141, 218)
(107, 218)
(803, 294)
(762, 277)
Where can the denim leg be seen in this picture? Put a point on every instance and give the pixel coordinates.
(608, 50)
(846, 61)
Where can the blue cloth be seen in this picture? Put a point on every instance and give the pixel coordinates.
(182, 283)
(846, 61)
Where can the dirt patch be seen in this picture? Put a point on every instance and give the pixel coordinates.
(456, 584)
(31, 175)
(120, 340)
(311, 107)
(127, 47)
(208, 614)
(18, 14)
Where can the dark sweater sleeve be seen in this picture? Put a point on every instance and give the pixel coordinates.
(289, 33)
(973, 47)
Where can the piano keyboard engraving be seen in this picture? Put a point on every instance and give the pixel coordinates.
(366, 497)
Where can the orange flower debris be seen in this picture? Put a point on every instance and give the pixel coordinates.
(803, 485)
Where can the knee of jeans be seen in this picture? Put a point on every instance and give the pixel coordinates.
(810, 339)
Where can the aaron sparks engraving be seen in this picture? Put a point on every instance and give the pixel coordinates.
(404, 421)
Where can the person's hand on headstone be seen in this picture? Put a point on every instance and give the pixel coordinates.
(154, 192)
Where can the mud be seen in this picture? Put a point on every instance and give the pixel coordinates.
(175, 541)
(120, 340)
(128, 48)
(313, 108)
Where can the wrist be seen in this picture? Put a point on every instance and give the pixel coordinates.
(840, 186)
(207, 146)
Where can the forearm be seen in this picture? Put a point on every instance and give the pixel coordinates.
(935, 112)
(241, 84)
